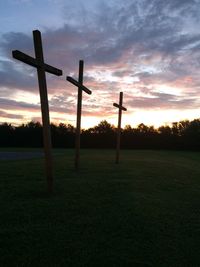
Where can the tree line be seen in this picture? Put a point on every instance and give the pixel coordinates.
(183, 135)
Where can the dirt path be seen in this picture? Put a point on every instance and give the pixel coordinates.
(20, 155)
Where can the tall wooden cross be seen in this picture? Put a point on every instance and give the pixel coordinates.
(38, 63)
(120, 107)
(81, 88)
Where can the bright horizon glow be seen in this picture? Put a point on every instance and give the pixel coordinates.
(150, 117)
(137, 117)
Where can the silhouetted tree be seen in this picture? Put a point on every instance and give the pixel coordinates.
(103, 128)
(180, 135)
(100, 136)
(6, 134)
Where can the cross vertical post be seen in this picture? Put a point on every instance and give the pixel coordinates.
(120, 107)
(78, 121)
(38, 62)
(81, 88)
(45, 110)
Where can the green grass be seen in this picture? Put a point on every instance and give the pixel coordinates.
(143, 212)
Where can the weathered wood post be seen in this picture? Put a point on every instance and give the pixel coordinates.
(81, 88)
(120, 107)
(38, 63)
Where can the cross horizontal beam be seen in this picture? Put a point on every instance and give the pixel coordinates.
(120, 107)
(34, 62)
(81, 86)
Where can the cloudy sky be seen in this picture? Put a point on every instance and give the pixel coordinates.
(149, 49)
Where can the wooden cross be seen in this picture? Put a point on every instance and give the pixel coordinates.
(38, 63)
(81, 88)
(120, 107)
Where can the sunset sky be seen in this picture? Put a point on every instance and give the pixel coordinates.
(149, 49)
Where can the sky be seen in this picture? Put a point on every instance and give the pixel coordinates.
(149, 49)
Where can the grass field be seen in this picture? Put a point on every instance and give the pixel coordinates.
(143, 212)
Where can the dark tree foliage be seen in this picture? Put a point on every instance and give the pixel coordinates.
(180, 135)
(100, 136)
(63, 135)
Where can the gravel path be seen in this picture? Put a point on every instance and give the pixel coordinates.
(20, 155)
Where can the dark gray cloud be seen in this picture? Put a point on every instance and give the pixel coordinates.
(9, 104)
(161, 101)
(56, 104)
(7, 115)
(61, 103)
(14, 77)
(16, 41)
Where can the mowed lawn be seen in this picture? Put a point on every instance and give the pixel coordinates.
(143, 212)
